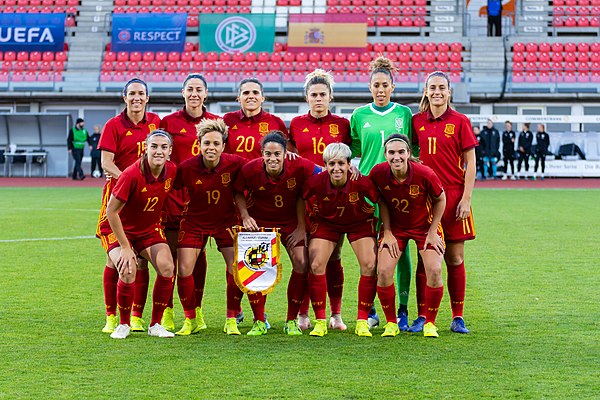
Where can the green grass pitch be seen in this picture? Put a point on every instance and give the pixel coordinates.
(532, 305)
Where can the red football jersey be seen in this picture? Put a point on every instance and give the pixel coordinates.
(311, 135)
(210, 191)
(125, 140)
(410, 202)
(182, 127)
(246, 133)
(442, 141)
(343, 206)
(143, 196)
(272, 202)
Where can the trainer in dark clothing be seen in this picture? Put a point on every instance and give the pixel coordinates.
(491, 151)
(541, 149)
(524, 147)
(76, 141)
(479, 153)
(508, 149)
(95, 153)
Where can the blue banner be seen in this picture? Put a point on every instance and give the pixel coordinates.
(32, 32)
(148, 32)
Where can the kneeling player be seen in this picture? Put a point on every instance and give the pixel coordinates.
(339, 205)
(134, 212)
(412, 204)
(272, 199)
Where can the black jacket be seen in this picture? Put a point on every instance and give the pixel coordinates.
(508, 142)
(525, 141)
(93, 140)
(479, 148)
(542, 143)
(492, 142)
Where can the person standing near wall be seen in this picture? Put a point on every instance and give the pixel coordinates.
(541, 149)
(491, 150)
(76, 143)
(494, 11)
(95, 153)
(508, 150)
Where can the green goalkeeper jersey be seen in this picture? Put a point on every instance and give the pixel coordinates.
(370, 125)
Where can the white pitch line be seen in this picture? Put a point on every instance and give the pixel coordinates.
(45, 239)
(47, 209)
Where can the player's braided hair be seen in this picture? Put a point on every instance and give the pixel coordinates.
(319, 76)
(382, 65)
(212, 125)
(274, 137)
(424, 105)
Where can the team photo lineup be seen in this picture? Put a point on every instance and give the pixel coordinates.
(173, 184)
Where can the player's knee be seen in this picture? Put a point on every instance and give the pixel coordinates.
(454, 259)
(434, 277)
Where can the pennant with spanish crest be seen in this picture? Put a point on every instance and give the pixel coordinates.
(257, 260)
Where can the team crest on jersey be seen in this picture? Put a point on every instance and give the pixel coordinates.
(291, 183)
(449, 130)
(263, 127)
(353, 197)
(152, 127)
(225, 178)
(399, 124)
(128, 133)
(413, 190)
(168, 184)
(334, 130)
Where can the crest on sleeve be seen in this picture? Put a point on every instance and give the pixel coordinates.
(168, 184)
(449, 130)
(334, 129)
(413, 190)
(152, 127)
(263, 127)
(291, 183)
(225, 178)
(353, 197)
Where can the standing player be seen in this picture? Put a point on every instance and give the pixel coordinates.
(134, 212)
(309, 134)
(448, 146)
(248, 125)
(210, 212)
(122, 143)
(542, 141)
(508, 150)
(182, 127)
(412, 204)
(339, 206)
(524, 148)
(370, 125)
(272, 199)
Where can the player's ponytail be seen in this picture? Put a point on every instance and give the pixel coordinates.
(319, 76)
(424, 105)
(382, 65)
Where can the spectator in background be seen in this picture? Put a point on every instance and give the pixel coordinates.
(494, 12)
(95, 153)
(479, 153)
(524, 148)
(541, 149)
(491, 150)
(76, 143)
(508, 150)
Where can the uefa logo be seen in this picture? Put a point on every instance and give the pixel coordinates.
(235, 34)
(124, 36)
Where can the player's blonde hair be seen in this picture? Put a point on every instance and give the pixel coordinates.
(337, 151)
(319, 76)
(424, 105)
(212, 125)
(382, 65)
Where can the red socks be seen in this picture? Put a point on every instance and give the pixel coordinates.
(199, 275)
(335, 285)
(163, 287)
(140, 292)
(317, 287)
(457, 286)
(421, 284)
(185, 288)
(387, 298)
(125, 301)
(305, 304)
(109, 283)
(367, 288)
(433, 297)
(297, 288)
(257, 303)
(234, 297)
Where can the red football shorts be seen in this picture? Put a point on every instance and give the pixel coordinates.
(321, 229)
(138, 243)
(456, 230)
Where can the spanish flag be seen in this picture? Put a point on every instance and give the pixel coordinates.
(326, 32)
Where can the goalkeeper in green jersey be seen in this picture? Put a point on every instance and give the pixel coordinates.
(370, 125)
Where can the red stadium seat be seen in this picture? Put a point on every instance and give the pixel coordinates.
(544, 56)
(49, 56)
(160, 56)
(557, 57)
(595, 22)
(418, 47)
(10, 56)
(48, 65)
(518, 67)
(443, 57)
(517, 47)
(531, 47)
(158, 66)
(186, 56)
(570, 22)
(148, 56)
(583, 22)
(122, 56)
